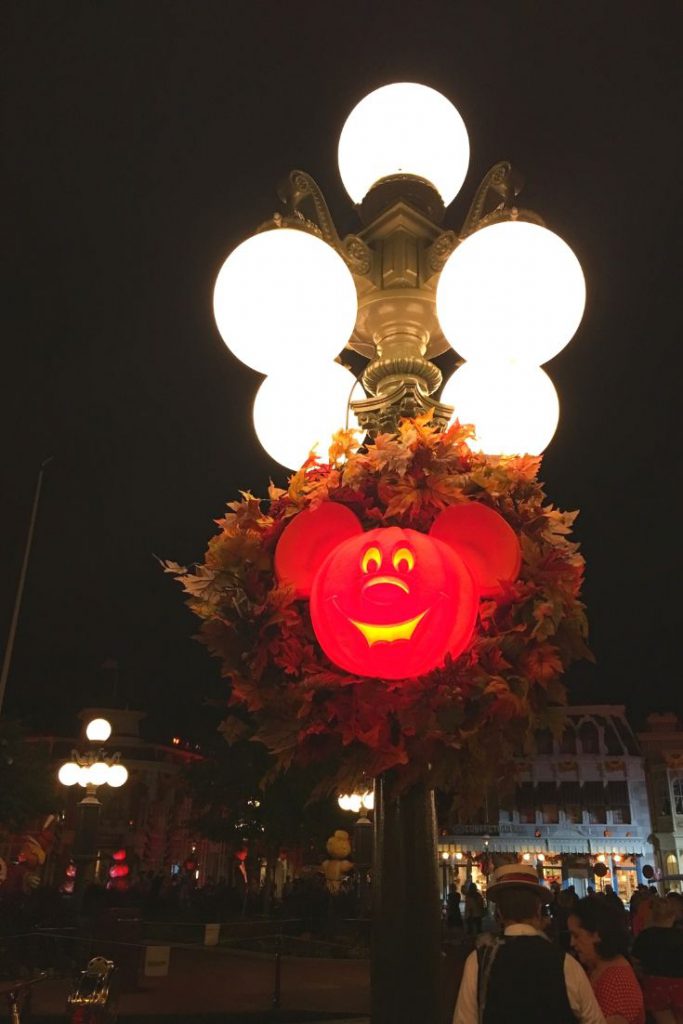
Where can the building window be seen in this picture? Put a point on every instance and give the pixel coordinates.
(671, 864)
(548, 803)
(568, 741)
(595, 803)
(570, 802)
(612, 742)
(526, 803)
(619, 803)
(590, 740)
(544, 741)
(677, 790)
(661, 793)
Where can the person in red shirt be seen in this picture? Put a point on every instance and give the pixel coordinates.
(659, 952)
(600, 940)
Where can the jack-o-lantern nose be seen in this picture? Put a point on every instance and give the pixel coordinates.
(382, 589)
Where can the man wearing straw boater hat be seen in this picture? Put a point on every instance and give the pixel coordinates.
(522, 977)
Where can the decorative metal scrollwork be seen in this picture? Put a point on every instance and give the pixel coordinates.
(299, 187)
(501, 180)
(440, 250)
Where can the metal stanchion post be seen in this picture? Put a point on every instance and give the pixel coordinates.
(277, 984)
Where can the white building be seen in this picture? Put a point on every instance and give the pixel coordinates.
(579, 800)
(662, 745)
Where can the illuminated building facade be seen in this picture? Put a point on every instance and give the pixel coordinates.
(662, 745)
(579, 800)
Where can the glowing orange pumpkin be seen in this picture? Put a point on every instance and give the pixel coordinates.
(392, 603)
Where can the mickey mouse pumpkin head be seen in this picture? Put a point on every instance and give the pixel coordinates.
(392, 603)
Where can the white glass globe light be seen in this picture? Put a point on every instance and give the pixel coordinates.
(514, 407)
(117, 775)
(69, 773)
(83, 776)
(99, 773)
(98, 730)
(368, 800)
(301, 407)
(343, 801)
(284, 295)
(355, 803)
(512, 290)
(404, 128)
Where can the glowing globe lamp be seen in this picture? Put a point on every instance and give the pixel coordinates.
(284, 295)
(98, 730)
(83, 776)
(117, 775)
(99, 773)
(368, 800)
(300, 408)
(353, 803)
(392, 603)
(404, 128)
(514, 408)
(69, 773)
(511, 290)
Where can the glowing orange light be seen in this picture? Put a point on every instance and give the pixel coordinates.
(392, 603)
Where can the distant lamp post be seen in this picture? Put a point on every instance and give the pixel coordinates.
(360, 802)
(90, 770)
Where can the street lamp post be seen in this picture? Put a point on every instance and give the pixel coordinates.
(91, 769)
(361, 802)
(504, 291)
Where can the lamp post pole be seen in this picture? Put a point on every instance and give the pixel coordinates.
(403, 155)
(9, 647)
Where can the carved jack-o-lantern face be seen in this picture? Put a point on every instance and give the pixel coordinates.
(392, 603)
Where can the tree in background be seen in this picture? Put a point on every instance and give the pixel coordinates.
(233, 806)
(28, 787)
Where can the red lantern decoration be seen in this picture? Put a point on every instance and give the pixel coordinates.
(392, 603)
(118, 855)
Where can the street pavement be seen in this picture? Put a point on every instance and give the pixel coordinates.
(220, 986)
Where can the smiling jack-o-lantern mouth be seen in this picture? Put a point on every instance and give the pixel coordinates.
(376, 634)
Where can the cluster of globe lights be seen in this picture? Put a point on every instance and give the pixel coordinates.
(87, 771)
(510, 296)
(357, 800)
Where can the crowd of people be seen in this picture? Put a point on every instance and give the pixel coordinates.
(549, 956)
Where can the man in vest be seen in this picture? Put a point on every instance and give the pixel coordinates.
(522, 977)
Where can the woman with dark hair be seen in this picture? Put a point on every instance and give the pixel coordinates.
(600, 940)
(659, 951)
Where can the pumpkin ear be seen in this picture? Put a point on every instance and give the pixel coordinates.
(309, 539)
(484, 540)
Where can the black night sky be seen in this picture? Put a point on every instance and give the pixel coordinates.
(143, 141)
